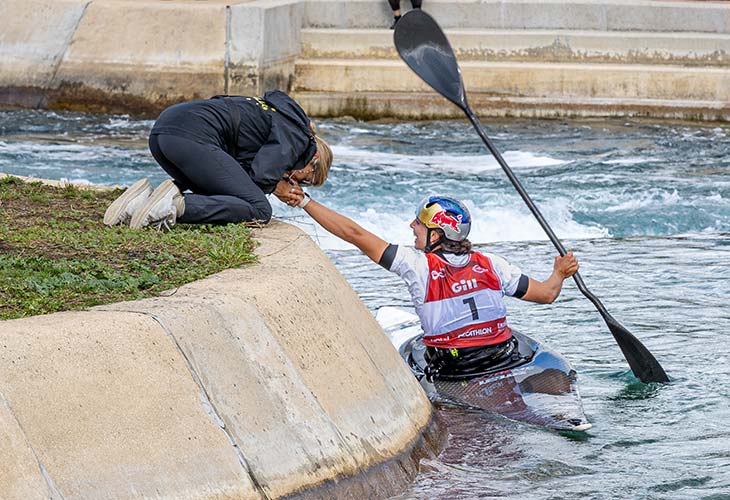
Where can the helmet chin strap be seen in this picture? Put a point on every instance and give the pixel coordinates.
(430, 247)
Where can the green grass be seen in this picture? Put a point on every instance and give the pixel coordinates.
(56, 254)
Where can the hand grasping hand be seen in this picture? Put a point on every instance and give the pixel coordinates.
(288, 191)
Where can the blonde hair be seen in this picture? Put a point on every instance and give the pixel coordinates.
(324, 163)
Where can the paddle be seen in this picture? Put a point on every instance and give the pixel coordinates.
(425, 49)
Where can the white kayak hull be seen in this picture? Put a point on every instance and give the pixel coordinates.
(536, 385)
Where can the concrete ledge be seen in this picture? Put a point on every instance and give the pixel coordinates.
(558, 80)
(696, 49)
(431, 106)
(610, 15)
(59, 184)
(263, 382)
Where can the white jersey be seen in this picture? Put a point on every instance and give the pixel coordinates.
(459, 298)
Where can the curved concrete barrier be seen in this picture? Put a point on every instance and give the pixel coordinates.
(264, 382)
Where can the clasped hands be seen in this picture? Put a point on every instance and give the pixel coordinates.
(288, 191)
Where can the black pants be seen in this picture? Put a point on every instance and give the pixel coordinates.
(221, 189)
(395, 4)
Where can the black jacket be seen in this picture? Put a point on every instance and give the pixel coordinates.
(290, 144)
(272, 135)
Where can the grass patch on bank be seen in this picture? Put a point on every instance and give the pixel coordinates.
(57, 255)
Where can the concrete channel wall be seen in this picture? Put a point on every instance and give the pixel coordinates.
(272, 381)
(142, 55)
(519, 57)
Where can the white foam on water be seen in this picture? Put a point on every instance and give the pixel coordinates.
(76, 180)
(490, 224)
(442, 162)
(631, 160)
(124, 122)
(517, 223)
(67, 151)
(652, 198)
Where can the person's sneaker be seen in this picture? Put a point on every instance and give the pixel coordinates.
(162, 208)
(395, 21)
(121, 209)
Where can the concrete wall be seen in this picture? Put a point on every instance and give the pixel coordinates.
(605, 15)
(264, 44)
(140, 56)
(525, 58)
(263, 382)
(529, 57)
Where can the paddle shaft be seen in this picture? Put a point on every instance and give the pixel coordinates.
(531, 205)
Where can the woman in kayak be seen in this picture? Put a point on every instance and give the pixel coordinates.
(457, 292)
(229, 152)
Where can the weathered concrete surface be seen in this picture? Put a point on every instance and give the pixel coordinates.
(132, 51)
(20, 475)
(520, 80)
(604, 15)
(306, 376)
(33, 39)
(490, 45)
(126, 55)
(129, 55)
(264, 40)
(400, 105)
(108, 406)
(263, 382)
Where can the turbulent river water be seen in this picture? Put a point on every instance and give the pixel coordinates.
(645, 206)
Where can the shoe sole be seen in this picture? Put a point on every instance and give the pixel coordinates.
(113, 214)
(138, 219)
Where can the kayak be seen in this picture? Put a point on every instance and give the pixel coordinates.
(535, 385)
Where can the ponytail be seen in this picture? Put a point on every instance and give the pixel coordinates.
(450, 246)
(325, 161)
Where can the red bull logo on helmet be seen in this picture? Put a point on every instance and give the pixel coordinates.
(442, 219)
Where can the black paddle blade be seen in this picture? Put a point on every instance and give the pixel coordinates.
(425, 49)
(645, 367)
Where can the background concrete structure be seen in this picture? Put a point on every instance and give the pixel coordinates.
(528, 58)
(519, 57)
(140, 56)
(264, 382)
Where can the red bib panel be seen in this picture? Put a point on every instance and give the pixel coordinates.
(464, 306)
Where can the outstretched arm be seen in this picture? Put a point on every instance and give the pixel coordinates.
(347, 229)
(545, 292)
